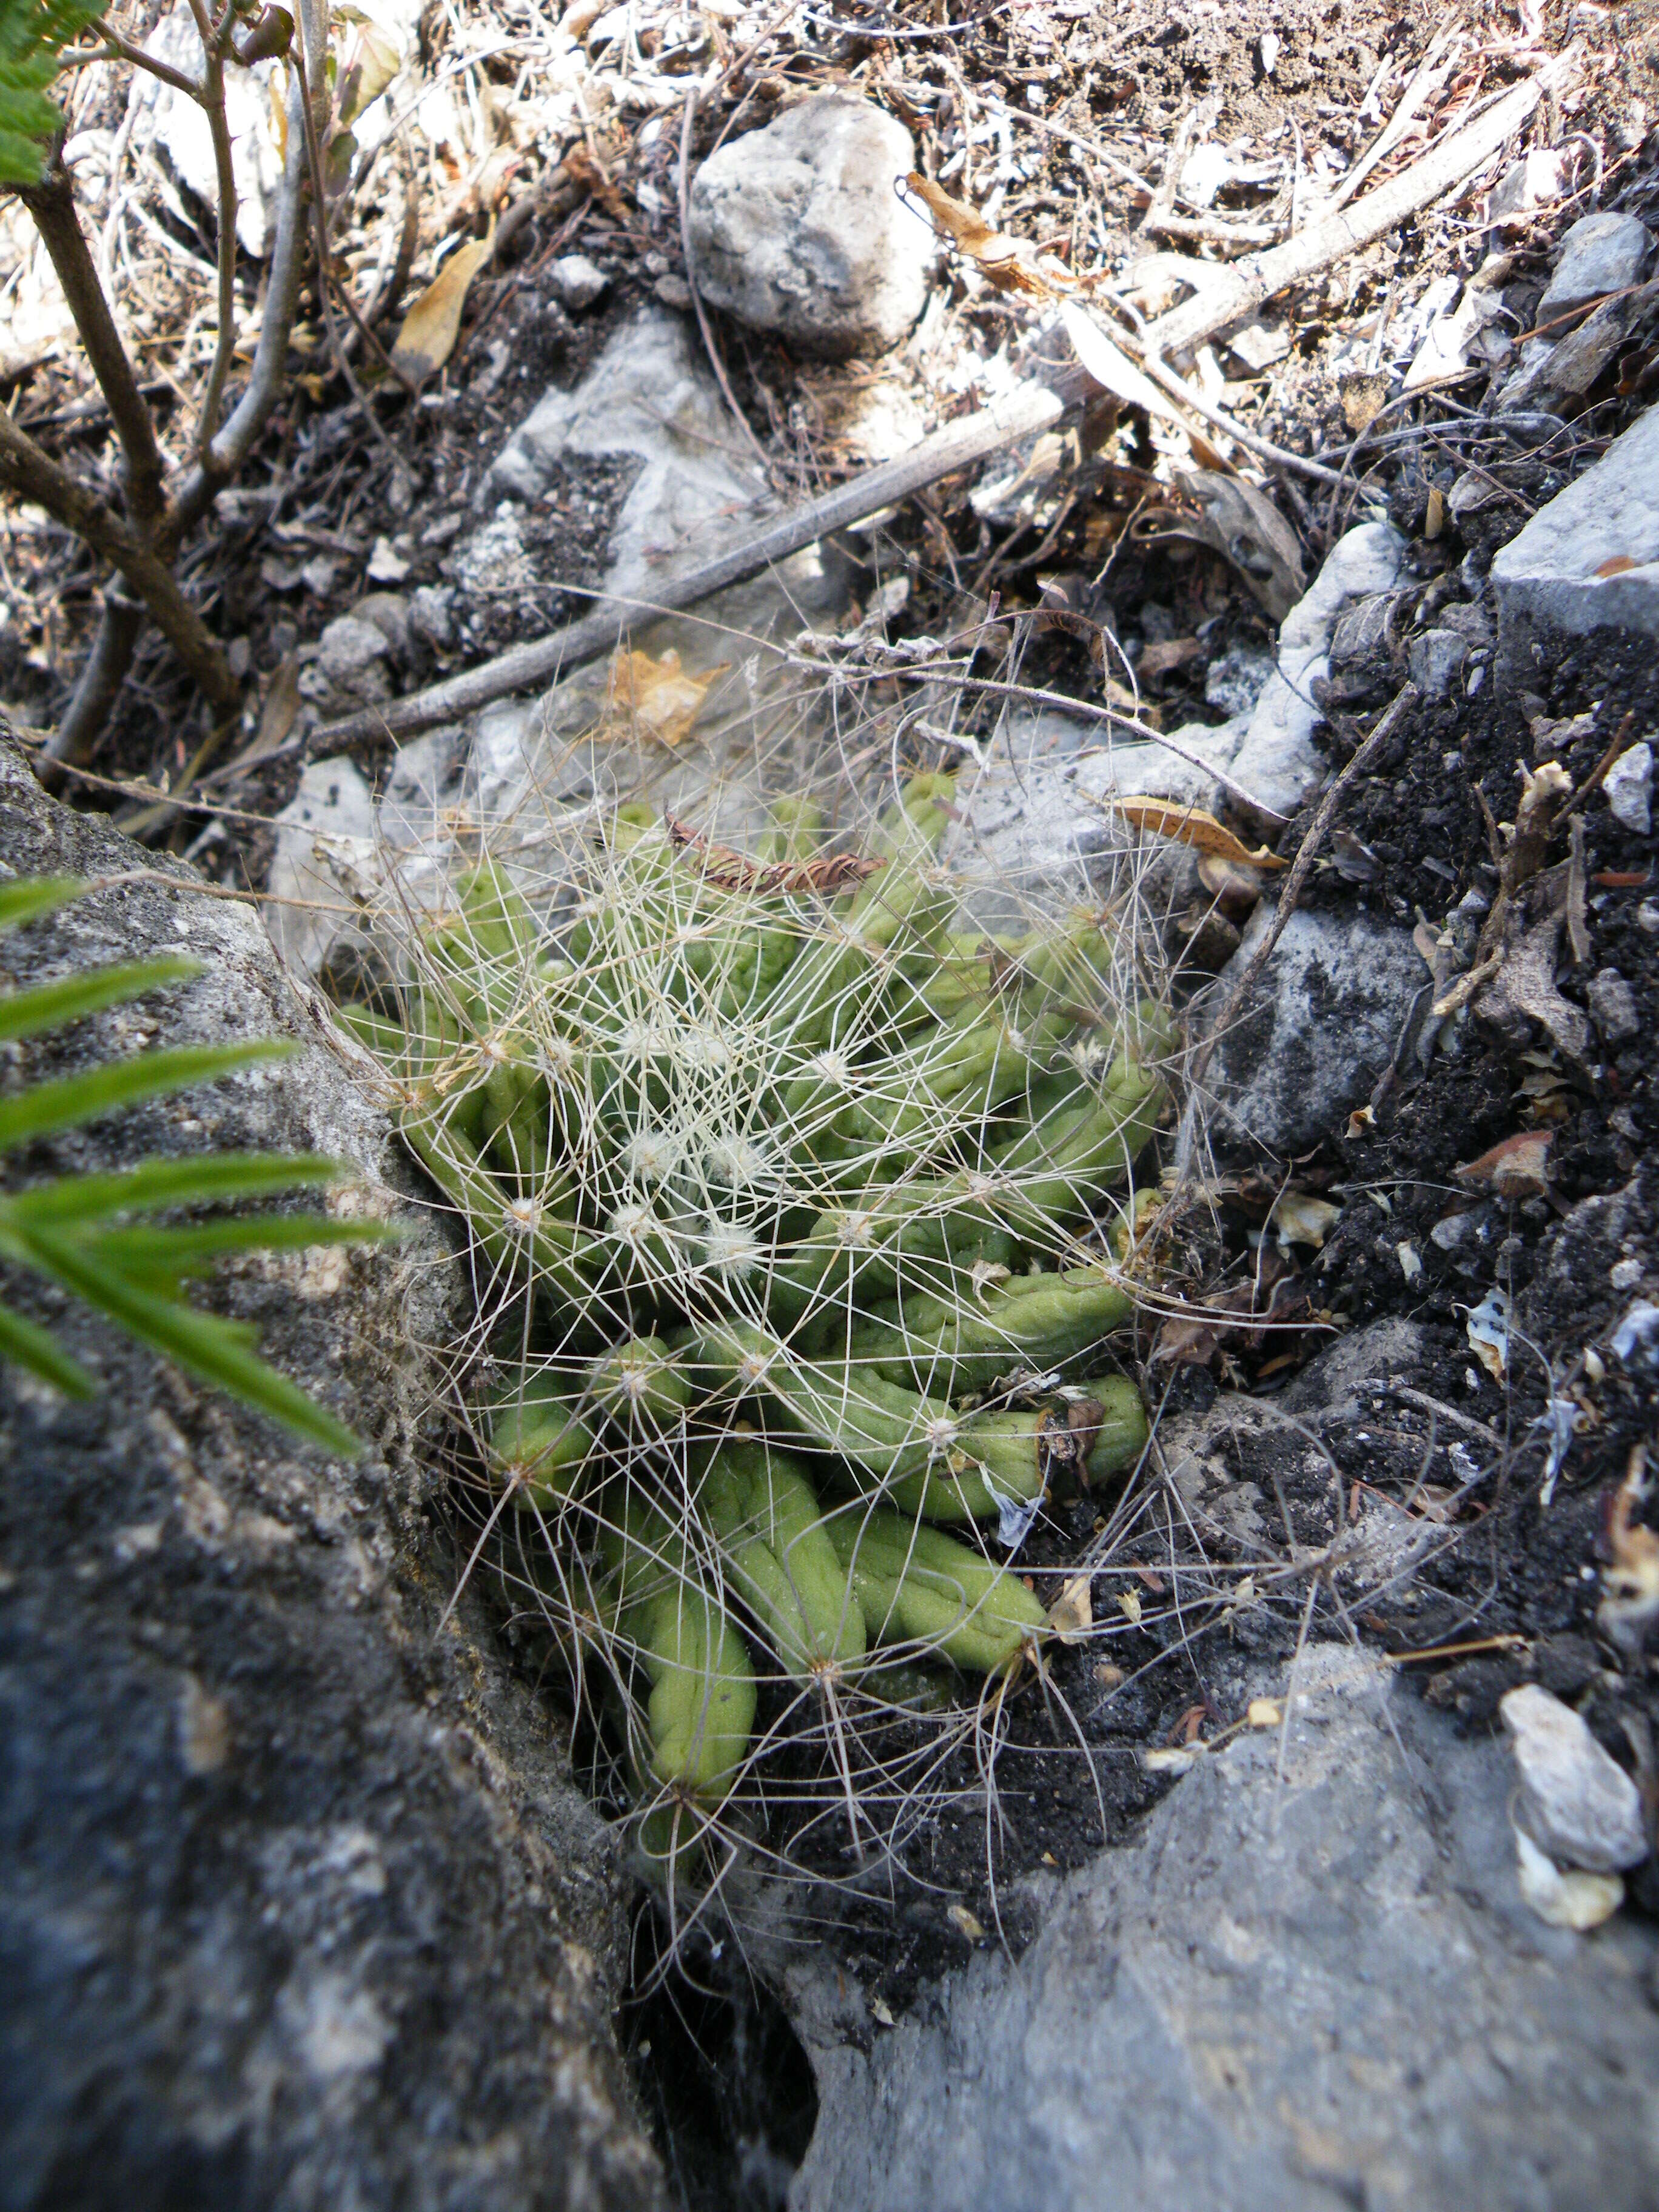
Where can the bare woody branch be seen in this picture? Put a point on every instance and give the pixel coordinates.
(32, 474)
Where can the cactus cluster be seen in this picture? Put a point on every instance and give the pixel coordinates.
(797, 1198)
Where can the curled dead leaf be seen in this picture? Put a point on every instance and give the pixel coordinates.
(433, 323)
(1300, 1219)
(1073, 1611)
(1516, 1167)
(656, 698)
(1005, 262)
(1193, 827)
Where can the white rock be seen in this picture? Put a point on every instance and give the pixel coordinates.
(1601, 253)
(1629, 786)
(179, 126)
(1435, 659)
(1589, 561)
(1580, 1806)
(578, 280)
(324, 859)
(385, 564)
(1612, 1003)
(1578, 1901)
(797, 229)
(1277, 763)
(352, 658)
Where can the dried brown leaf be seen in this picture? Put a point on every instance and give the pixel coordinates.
(1193, 827)
(1516, 1167)
(825, 874)
(433, 323)
(656, 698)
(1004, 262)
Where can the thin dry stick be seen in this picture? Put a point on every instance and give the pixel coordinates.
(1388, 722)
(212, 98)
(26, 470)
(1250, 284)
(1031, 408)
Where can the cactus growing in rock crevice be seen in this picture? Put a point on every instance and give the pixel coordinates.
(795, 1187)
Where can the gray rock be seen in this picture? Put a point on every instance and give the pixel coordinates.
(1326, 1018)
(1036, 820)
(1629, 786)
(1579, 1805)
(1613, 1005)
(649, 396)
(1435, 659)
(1561, 572)
(299, 1905)
(389, 613)
(578, 280)
(1277, 762)
(430, 609)
(1296, 1992)
(1600, 253)
(1236, 679)
(797, 229)
(324, 862)
(351, 661)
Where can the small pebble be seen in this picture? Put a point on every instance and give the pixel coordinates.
(1580, 1806)
(1629, 786)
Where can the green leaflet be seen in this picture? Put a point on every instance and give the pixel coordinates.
(78, 1230)
(33, 34)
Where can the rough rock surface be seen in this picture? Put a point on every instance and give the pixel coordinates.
(1324, 1023)
(298, 1904)
(796, 229)
(1300, 1990)
(1579, 1803)
(1589, 561)
(1276, 762)
(1601, 253)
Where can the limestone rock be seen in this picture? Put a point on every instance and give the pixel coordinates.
(1277, 763)
(578, 280)
(1612, 1006)
(1323, 1024)
(1629, 786)
(1578, 1804)
(796, 229)
(1435, 659)
(1600, 253)
(299, 1904)
(1589, 561)
(1305, 1986)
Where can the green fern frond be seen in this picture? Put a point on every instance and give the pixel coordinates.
(78, 1230)
(32, 36)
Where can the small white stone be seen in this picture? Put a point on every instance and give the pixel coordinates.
(385, 566)
(1612, 1005)
(1580, 1805)
(1629, 786)
(578, 280)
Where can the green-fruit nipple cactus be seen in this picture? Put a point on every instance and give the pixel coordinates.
(796, 1188)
